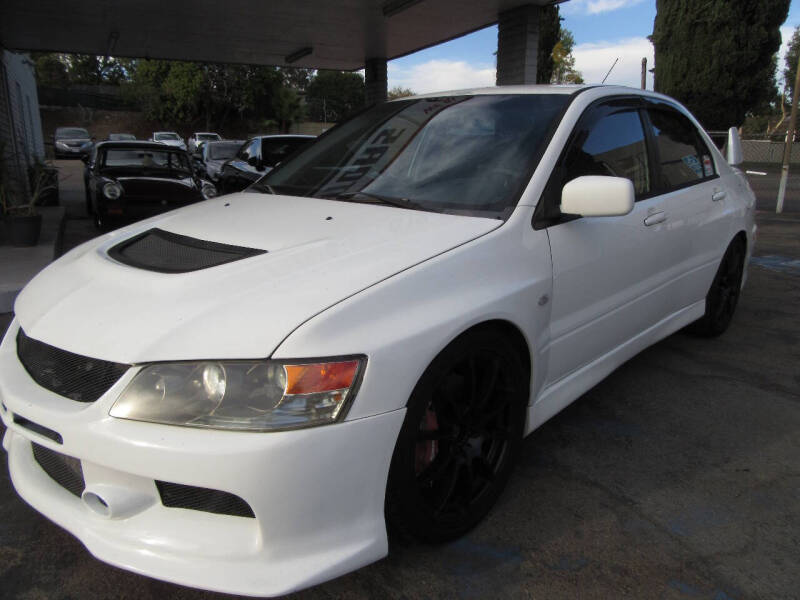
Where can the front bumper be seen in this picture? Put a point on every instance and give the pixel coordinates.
(317, 494)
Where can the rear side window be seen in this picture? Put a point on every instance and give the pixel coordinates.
(683, 157)
(613, 145)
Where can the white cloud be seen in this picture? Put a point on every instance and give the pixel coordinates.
(595, 7)
(440, 75)
(595, 59)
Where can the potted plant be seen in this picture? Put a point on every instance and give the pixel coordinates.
(23, 224)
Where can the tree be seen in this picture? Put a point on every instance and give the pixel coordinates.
(790, 68)
(549, 34)
(399, 92)
(563, 60)
(50, 70)
(716, 56)
(287, 107)
(333, 95)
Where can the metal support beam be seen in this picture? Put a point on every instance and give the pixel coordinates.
(518, 45)
(375, 81)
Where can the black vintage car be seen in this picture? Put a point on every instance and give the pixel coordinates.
(128, 181)
(257, 157)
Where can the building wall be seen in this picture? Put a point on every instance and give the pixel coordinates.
(20, 123)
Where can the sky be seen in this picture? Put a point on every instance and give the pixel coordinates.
(603, 30)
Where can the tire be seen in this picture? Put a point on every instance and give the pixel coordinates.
(460, 438)
(723, 296)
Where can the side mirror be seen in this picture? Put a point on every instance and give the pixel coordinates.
(735, 156)
(598, 196)
(253, 161)
(85, 158)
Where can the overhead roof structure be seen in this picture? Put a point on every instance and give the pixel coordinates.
(321, 34)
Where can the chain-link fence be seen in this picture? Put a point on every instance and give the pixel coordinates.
(768, 149)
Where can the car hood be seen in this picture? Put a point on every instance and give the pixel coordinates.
(319, 252)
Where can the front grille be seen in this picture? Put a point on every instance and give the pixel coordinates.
(167, 252)
(175, 495)
(77, 377)
(64, 470)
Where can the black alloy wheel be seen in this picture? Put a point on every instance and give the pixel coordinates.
(460, 438)
(723, 296)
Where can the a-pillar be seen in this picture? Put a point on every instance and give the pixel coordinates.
(375, 81)
(518, 45)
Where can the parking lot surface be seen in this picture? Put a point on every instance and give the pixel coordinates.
(676, 477)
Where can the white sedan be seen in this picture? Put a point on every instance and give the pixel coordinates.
(244, 394)
(170, 138)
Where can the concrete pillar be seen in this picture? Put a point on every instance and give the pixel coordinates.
(517, 45)
(375, 81)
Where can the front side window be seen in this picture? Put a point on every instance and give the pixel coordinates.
(222, 150)
(613, 144)
(469, 155)
(683, 157)
(249, 149)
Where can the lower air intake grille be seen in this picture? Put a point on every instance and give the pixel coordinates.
(175, 495)
(64, 470)
(166, 252)
(77, 377)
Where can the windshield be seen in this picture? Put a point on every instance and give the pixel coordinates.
(121, 137)
(72, 132)
(207, 136)
(462, 154)
(223, 150)
(166, 136)
(157, 160)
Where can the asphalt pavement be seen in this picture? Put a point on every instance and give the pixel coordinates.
(676, 477)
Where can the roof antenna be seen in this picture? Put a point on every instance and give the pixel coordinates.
(609, 71)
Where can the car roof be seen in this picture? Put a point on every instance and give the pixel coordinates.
(157, 132)
(561, 89)
(138, 144)
(205, 133)
(285, 136)
(214, 142)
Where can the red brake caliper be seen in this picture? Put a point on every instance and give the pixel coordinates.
(426, 449)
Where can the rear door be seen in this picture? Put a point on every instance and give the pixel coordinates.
(692, 196)
(612, 276)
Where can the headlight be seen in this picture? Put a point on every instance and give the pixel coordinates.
(62, 145)
(209, 191)
(112, 190)
(242, 395)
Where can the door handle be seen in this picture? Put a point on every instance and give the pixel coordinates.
(717, 196)
(655, 218)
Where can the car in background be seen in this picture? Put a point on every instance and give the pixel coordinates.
(197, 138)
(71, 142)
(128, 181)
(170, 138)
(258, 156)
(213, 155)
(120, 137)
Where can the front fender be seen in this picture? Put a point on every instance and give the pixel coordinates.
(403, 322)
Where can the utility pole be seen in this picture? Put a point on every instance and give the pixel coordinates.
(644, 73)
(787, 150)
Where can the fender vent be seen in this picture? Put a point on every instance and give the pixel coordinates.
(66, 471)
(175, 495)
(166, 252)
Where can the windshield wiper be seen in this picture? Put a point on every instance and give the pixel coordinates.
(377, 198)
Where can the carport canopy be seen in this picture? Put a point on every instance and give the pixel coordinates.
(320, 34)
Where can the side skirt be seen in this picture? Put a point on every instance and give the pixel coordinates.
(556, 397)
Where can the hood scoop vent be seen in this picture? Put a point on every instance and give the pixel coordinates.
(166, 252)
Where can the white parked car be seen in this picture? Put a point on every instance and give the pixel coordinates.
(170, 138)
(199, 137)
(242, 394)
